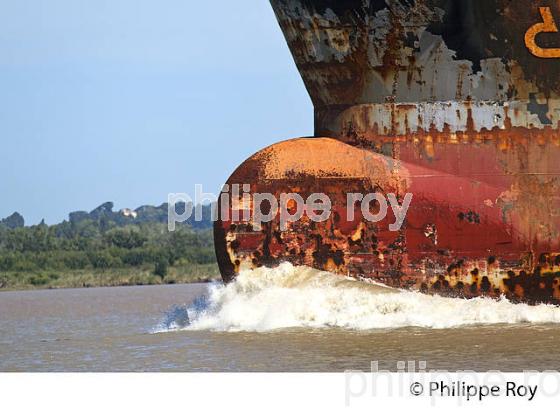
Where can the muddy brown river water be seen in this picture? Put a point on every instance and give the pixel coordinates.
(128, 329)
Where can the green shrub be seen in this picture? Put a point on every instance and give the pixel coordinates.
(38, 280)
(161, 267)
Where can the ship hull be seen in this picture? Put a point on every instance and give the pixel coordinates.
(455, 103)
(456, 239)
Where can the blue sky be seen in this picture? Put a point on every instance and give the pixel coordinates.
(128, 100)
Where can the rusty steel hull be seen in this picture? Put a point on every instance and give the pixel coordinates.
(455, 102)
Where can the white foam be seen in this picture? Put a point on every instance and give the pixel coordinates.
(287, 296)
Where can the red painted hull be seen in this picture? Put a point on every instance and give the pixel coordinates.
(453, 102)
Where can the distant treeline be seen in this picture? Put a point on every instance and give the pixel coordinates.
(104, 241)
(105, 215)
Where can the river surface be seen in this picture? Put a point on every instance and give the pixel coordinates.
(303, 322)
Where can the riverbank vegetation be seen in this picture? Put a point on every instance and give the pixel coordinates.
(105, 249)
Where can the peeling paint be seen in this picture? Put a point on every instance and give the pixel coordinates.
(448, 100)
